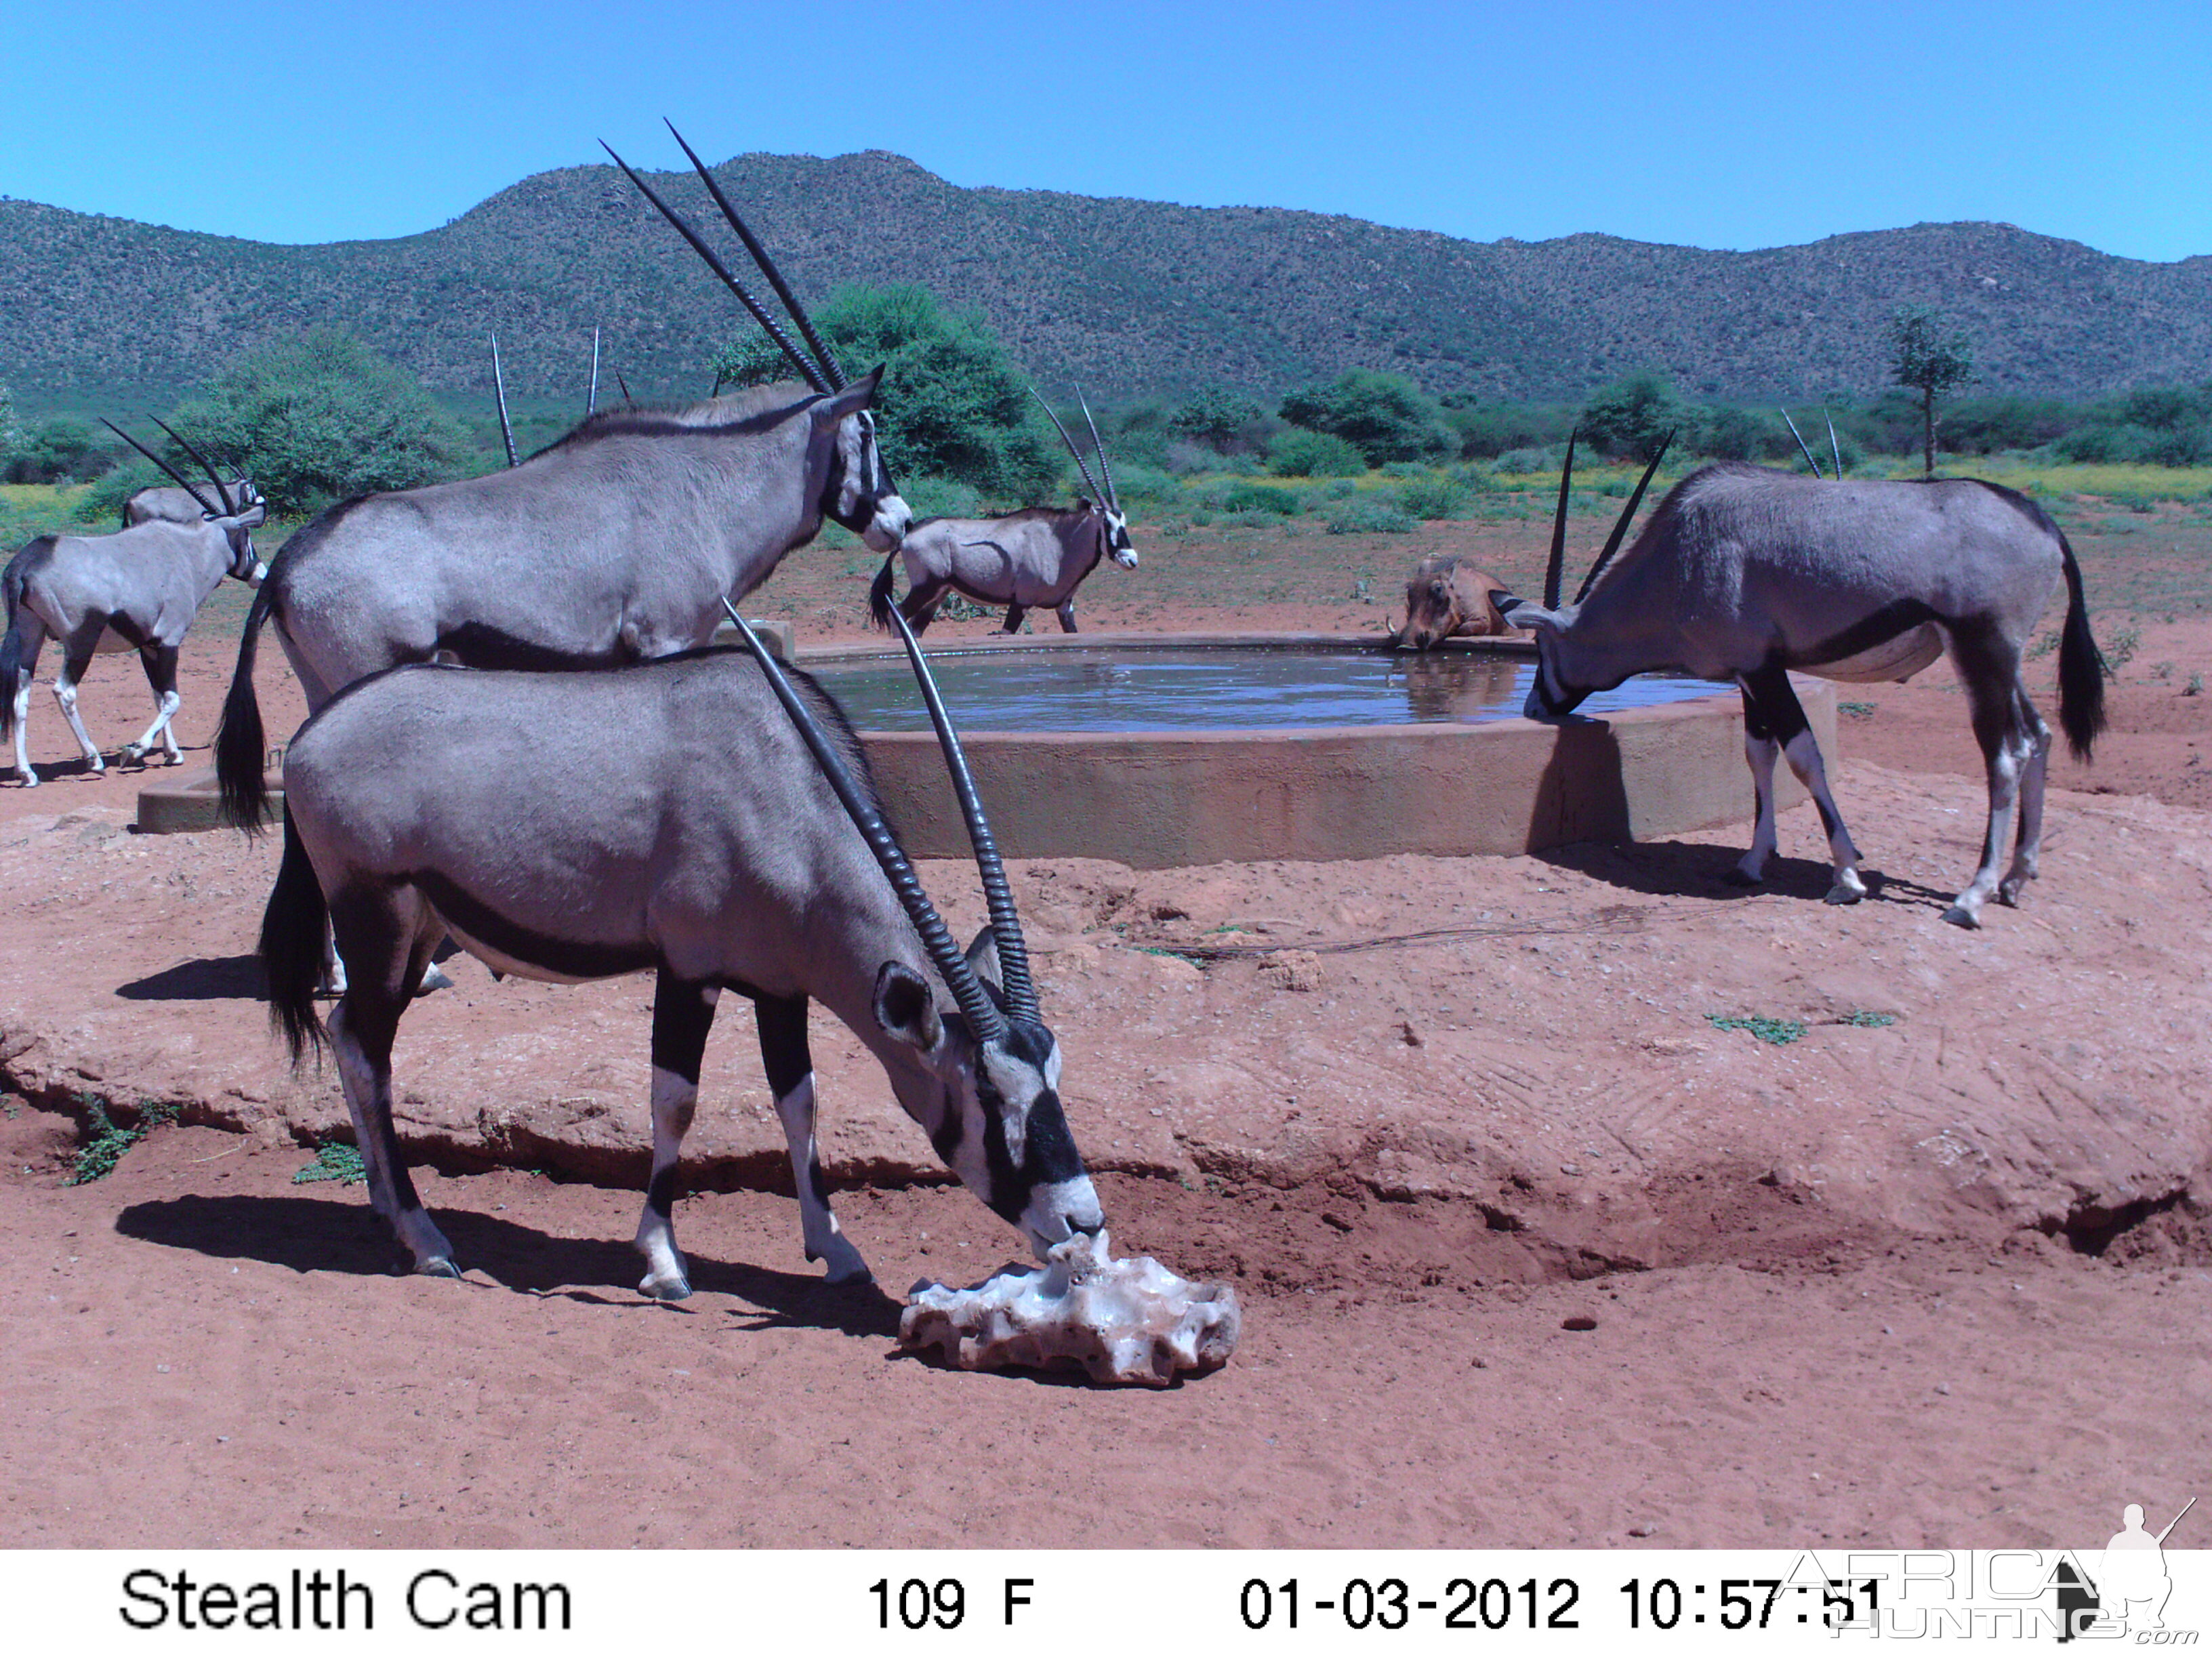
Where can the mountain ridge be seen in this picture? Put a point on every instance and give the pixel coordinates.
(1126, 295)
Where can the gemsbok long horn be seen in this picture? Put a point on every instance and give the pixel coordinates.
(821, 352)
(206, 506)
(1621, 524)
(1082, 464)
(997, 896)
(499, 386)
(981, 1013)
(207, 466)
(1834, 448)
(800, 361)
(1105, 467)
(1556, 569)
(591, 398)
(1806, 452)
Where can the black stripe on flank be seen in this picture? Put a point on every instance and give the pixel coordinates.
(479, 645)
(569, 958)
(1876, 628)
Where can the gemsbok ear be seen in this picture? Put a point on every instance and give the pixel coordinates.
(1525, 613)
(905, 1008)
(852, 399)
(983, 957)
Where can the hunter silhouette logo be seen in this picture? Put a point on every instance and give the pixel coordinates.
(2130, 1586)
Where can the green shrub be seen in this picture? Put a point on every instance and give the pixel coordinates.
(1368, 514)
(1437, 497)
(1633, 415)
(1297, 453)
(102, 504)
(1386, 416)
(1260, 498)
(62, 451)
(320, 416)
(334, 1161)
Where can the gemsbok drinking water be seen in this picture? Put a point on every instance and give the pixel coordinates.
(1746, 574)
(714, 837)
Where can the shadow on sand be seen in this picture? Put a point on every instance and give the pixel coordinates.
(318, 1235)
(209, 979)
(1672, 869)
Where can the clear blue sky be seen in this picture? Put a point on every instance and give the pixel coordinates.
(1721, 125)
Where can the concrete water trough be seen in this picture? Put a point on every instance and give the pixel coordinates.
(1156, 751)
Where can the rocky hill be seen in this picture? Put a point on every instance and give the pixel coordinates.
(1127, 296)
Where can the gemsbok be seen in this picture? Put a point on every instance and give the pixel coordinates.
(137, 589)
(720, 841)
(1033, 559)
(1745, 574)
(614, 543)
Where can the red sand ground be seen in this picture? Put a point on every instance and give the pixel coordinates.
(1844, 1343)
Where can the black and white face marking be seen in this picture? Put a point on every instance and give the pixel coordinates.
(998, 1123)
(867, 503)
(1118, 547)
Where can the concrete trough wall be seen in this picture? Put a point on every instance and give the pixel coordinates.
(1159, 799)
(1155, 800)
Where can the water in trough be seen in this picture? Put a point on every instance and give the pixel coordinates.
(1125, 687)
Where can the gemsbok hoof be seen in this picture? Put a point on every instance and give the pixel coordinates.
(1840, 894)
(434, 978)
(440, 1267)
(1736, 876)
(665, 1289)
(131, 754)
(1958, 916)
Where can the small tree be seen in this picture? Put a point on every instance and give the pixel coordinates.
(1930, 361)
(320, 416)
(952, 405)
(1386, 416)
(1217, 418)
(1632, 417)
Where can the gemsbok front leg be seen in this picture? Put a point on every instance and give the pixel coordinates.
(1065, 611)
(1774, 723)
(790, 1066)
(76, 660)
(682, 1013)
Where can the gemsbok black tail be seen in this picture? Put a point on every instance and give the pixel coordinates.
(2080, 667)
(879, 592)
(11, 643)
(240, 744)
(295, 931)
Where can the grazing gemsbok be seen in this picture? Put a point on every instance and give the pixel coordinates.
(1035, 558)
(617, 543)
(1744, 574)
(715, 838)
(133, 590)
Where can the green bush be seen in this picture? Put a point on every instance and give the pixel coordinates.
(1297, 452)
(952, 405)
(320, 416)
(1439, 497)
(103, 502)
(1633, 415)
(1368, 514)
(1260, 498)
(1217, 417)
(62, 451)
(1386, 416)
